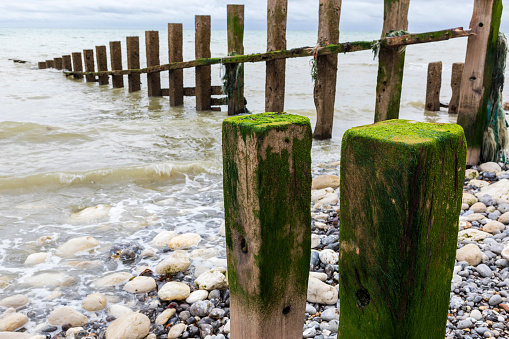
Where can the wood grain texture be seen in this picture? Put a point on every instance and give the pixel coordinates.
(456, 75)
(116, 63)
(67, 63)
(133, 62)
(434, 84)
(175, 45)
(235, 73)
(88, 55)
(77, 65)
(102, 64)
(202, 50)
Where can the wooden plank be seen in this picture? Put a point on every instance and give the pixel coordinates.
(235, 73)
(202, 50)
(477, 74)
(391, 62)
(175, 45)
(434, 84)
(67, 63)
(58, 63)
(152, 51)
(116, 63)
(77, 65)
(102, 64)
(326, 68)
(88, 55)
(49, 64)
(219, 101)
(133, 62)
(267, 189)
(42, 65)
(456, 75)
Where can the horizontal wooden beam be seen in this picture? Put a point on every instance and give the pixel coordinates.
(191, 91)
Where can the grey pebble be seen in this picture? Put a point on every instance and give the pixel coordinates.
(495, 300)
(484, 270)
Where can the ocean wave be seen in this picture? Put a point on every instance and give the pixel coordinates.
(29, 131)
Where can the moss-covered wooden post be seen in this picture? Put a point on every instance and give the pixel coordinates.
(67, 63)
(88, 55)
(175, 45)
(116, 64)
(391, 62)
(202, 50)
(102, 64)
(58, 63)
(456, 74)
(326, 68)
(235, 72)
(267, 190)
(133, 62)
(77, 65)
(477, 74)
(401, 189)
(434, 84)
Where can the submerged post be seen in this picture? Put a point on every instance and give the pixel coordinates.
(202, 50)
(67, 63)
(175, 45)
(267, 189)
(457, 73)
(133, 62)
(152, 51)
(88, 54)
(391, 62)
(77, 65)
(396, 268)
(42, 64)
(58, 63)
(116, 63)
(433, 86)
(275, 69)
(49, 64)
(477, 74)
(235, 72)
(326, 68)
(102, 64)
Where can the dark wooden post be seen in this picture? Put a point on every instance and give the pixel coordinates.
(175, 43)
(49, 64)
(77, 65)
(58, 63)
(396, 269)
(102, 64)
(88, 55)
(67, 63)
(433, 86)
(202, 50)
(267, 189)
(326, 68)
(42, 64)
(275, 69)
(116, 64)
(235, 72)
(457, 73)
(391, 62)
(133, 62)
(152, 50)
(477, 74)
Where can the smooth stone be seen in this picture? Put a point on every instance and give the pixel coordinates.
(46, 279)
(117, 310)
(329, 199)
(147, 253)
(324, 181)
(217, 313)
(226, 328)
(469, 253)
(469, 199)
(129, 326)
(495, 300)
(15, 301)
(222, 229)
(36, 258)
(493, 227)
(163, 238)
(184, 241)
(505, 252)
(319, 275)
(315, 240)
(310, 309)
(464, 207)
(176, 262)
(87, 264)
(504, 218)
(176, 331)
(212, 279)
(174, 291)
(467, 323)
(15, 335)
(330, 314)
(201, 308)
(90, 213)
(197, 295)
(329, 257)
(164, 316)
(317, 195)
(73, 331)
(476, 314)
(491, 167)
(478, 207)
(496, 190)
(94, 302)
(12, 322)
(478, 183)
(484, 271)
(67, 315)
(76, 245)
(471, 174)
(141, 284)
(204, 253)
(321, 293)
(112, 279)
(474, 217)
(472, 234)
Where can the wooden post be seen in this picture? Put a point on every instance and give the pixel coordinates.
(235, 72)
(88, 54)
(152, 50)
(457, 73)
(116, 63)
(77, 64)
(66, 63)
(267, 189)
(49, 64)
(102, 64)
(58, 63)
(133, 62)
(391, 62)
(433, 86)
(275, 69)
(42, 64)
(477, 74)
(202, 50)
(326, 68)
(175, 42)
(396, 268)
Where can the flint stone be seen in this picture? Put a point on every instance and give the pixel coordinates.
(129, 326)
(67, 315)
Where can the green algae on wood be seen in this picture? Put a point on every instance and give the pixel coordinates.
(401, 189)
(267, 189)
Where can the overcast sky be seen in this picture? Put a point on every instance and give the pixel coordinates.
(356, 15)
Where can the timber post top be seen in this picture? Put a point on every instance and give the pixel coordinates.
(265, 121)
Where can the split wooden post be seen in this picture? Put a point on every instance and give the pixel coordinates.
(477, 74)
(391, 62)
(175, 45)
(116, 63)
(67, 63)
(235, 72)
(88, 55)
(58, 63)
(326, 68)
(102, 64)
(202, 50)
(457, 73)
(49, 64)
(267, 189)
(133, 62)
(42, 64)
(77, 65)
(396, 269)
(152, 51)
(434, 85)
(275, 69)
